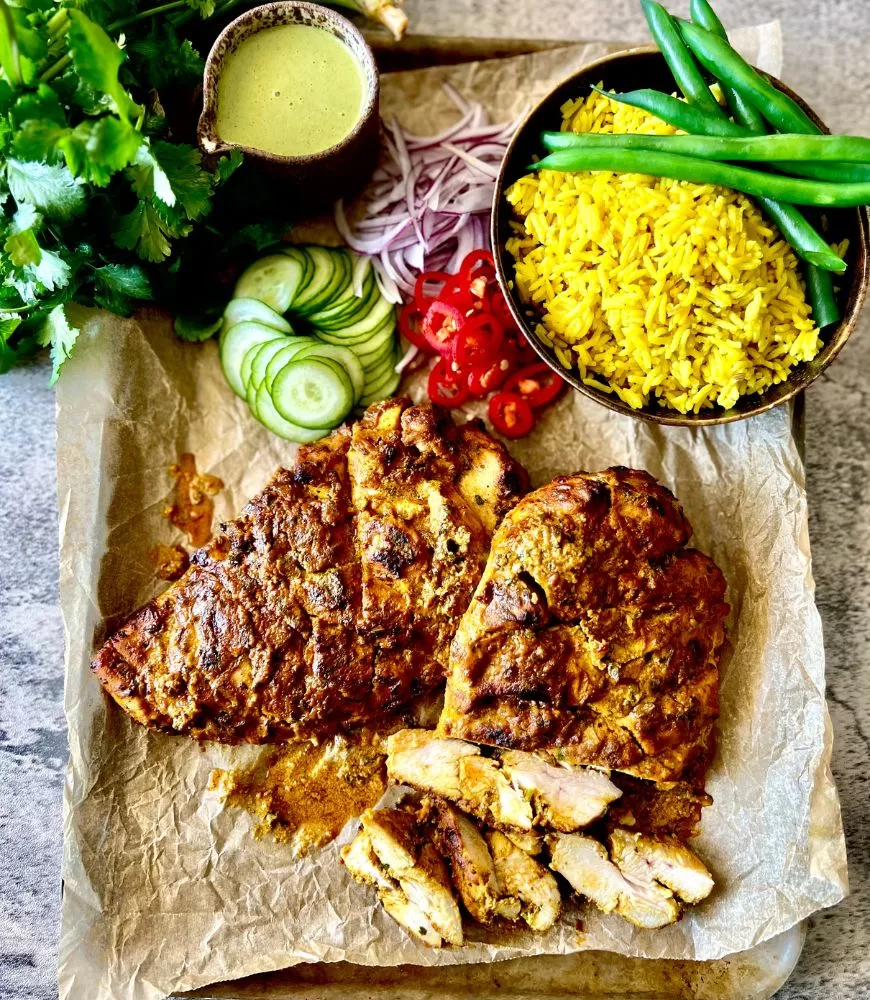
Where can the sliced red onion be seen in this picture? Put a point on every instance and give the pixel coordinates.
(430, 198)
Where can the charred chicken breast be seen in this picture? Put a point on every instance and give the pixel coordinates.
(333, 598)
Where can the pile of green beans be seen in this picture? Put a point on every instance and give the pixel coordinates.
(829, 171)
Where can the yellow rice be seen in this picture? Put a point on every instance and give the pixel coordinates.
(657, 288)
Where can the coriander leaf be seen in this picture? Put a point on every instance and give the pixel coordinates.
(23, 248)
(7, 98)
(228, 165)
(143, 231)
(58, 332)
(43, 103)
(163, 60)
(26, 217)
(191, 184)
(52, 271)
(148, 178)
(95, 150)
(49, 187)
(117, 285)
(97, 60)
(9, 357)
(38, 141)
(205, 8)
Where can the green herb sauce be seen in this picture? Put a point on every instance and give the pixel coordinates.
(292, 90)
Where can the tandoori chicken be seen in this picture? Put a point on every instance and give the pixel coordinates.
(333, 598)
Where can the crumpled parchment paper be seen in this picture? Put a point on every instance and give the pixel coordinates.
(165, 890)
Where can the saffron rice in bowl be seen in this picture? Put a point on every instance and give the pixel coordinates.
(657, 296)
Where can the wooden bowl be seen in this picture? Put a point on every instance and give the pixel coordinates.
(625, 71)
(315, 179)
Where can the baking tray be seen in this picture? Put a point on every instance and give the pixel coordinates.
(756, 974)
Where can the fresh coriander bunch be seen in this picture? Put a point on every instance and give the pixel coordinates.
(94, 192)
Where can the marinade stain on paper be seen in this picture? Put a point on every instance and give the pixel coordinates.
(191, 512)
(304, 793)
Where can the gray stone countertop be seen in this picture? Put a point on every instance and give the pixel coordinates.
(826, 46)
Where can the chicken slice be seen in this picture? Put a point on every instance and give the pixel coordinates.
(564, 797)
(584, 863)
(663, 859)
(415, 757)
(411, 878)
(489, 795)
(362, 863)
(532, 843)
(528, 880)
(472, 866)
(410, 916)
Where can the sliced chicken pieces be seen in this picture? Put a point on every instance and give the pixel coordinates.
(663, 859)
(416, 758)
(564, 797)
(472, 867)
(532, 843)
(514, 790)
(410, 916)
(427, 886)
(584, 863)
(362, 863)
(485, 789)
(528, 880)
(411, 878)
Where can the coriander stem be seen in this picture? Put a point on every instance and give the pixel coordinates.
(56, 69)
(145, 14)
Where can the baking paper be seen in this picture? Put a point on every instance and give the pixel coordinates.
(165, 890)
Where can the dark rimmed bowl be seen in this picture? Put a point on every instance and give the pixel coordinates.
(646, 68)
(318, 178)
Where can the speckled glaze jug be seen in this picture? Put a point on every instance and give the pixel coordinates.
(315, 179)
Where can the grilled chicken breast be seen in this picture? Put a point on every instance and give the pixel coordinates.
(410, 876)
(661, 859)
(511, 791)
(594, 632)
(333, 598)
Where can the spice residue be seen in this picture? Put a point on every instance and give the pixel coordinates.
(303, 793)
(193, 508)
(170, 561)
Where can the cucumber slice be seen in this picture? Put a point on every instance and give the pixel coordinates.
(289, 351)
(313, 392)
(380, 313)
(274, 280)
(345, 357)
(244, 310)
(380, 370)
(383, 390)
(264, 410)
(298, 253)
(359, 341)
(371, 355)
(235, 345)
(328, 276)
(255, 362)
(346, 306)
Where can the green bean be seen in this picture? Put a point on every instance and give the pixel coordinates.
(820, 290)
(795, 190)
(680, 62)
(720, 59)
(743, 112)
(849, 173)
(680, 114)
(755, 148)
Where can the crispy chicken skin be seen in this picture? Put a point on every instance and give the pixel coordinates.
(513, 791)
(594, 632)
(334, 596)
(410, 876)
(526, 879)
